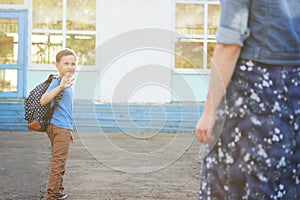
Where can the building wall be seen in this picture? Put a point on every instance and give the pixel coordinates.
(135, 57)
(189, 87)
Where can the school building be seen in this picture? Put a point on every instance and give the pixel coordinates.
(129, 51)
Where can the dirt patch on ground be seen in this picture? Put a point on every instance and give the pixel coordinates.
(102, 166)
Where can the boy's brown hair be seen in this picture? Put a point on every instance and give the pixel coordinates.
(64, 52)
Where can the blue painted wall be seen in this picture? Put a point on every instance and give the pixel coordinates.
(185, 87)
(189, 87)
(81, 91)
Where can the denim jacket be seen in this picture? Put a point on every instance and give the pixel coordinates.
(268, 31)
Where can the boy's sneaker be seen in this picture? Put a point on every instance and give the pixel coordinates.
(63, 196)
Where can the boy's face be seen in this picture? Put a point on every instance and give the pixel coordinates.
(66, 65)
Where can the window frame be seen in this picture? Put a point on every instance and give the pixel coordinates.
(23, 6)
(206, 38)
(64, 32)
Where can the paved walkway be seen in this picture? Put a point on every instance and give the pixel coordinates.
(103, 166)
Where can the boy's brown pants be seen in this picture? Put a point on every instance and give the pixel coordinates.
(60, 141)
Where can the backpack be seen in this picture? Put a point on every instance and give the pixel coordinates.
(38, 115)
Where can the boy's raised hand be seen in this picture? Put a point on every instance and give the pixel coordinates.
(67, 80)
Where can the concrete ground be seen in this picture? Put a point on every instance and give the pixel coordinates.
(103, 166)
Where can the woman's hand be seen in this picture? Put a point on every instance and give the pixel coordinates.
(204, 129)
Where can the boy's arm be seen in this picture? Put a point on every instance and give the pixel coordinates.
(223, 63)
(66, 82)
(48, 96)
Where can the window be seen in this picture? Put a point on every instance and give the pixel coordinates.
(8, 80)
(198, 22)
(8, 40)
(68, 23)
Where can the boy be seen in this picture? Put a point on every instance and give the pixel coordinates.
(60, 126)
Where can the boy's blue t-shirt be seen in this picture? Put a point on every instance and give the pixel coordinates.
(62, 116)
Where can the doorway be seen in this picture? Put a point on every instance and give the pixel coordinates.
(13, 51)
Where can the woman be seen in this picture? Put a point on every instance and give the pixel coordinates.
(256, 73)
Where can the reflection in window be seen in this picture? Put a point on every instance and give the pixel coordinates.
(84, 46)
(51, 20)
(189, 53)
(213, 19)
(69, 23)
(11, 1)
(81, 15)
(210, 49)
(8, 80)
(189, 18)
(199, 22)
(44, 47)
(8, 41)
